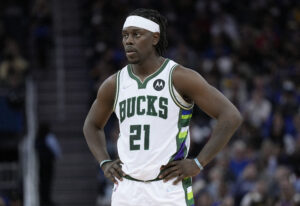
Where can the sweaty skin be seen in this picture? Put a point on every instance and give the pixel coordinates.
(139, 48)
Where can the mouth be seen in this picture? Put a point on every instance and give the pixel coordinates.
(130, 53)
(130, 50)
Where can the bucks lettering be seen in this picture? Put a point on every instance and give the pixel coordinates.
(143, 105)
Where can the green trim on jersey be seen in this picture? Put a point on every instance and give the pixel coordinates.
(117, 89)
(172, 92)
(188, 191)
(142, 85)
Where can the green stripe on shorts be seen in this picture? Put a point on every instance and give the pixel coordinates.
(187, 186)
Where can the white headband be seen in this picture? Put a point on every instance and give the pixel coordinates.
(141, 22)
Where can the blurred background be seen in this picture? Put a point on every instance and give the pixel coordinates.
(55, 54)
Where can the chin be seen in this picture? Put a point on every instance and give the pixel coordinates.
(133, 61)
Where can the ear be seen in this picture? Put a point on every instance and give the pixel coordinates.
(156, 37)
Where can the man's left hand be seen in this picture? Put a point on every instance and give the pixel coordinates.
(179, 169)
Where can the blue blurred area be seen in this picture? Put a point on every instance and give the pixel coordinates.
(14, 67)
(11, 119)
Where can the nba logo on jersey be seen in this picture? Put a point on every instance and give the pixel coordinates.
(158, 84)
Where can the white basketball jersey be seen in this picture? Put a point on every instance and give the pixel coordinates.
(154, 121)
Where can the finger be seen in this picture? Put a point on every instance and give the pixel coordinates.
(119, 168)
(119, 171)
(170, 164)
(172, 175)
(111, 177)
(118, 161)
(178, 179)
(167, 172)
(115, 173)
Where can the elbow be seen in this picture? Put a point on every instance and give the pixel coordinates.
(232, 117)
(85, 128)
(89, 127)
(237, 118)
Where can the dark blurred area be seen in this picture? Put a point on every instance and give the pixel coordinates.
(14, 66)
(20, 21)
(249, 50)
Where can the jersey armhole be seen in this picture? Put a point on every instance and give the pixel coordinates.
(117, 90)
(177, 98)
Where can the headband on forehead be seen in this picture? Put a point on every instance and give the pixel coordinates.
(141, 22)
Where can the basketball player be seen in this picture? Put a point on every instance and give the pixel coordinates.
(153, 98)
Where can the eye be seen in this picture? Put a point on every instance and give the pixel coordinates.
(137, 34)
(125, 36)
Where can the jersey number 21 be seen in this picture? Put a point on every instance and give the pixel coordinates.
(135, 134)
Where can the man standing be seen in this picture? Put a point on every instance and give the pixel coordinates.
(153, 98)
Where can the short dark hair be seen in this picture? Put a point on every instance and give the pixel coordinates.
(155, 16)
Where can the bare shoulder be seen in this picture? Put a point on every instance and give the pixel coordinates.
(185, 80)
(102, 107)
(191, 85)
(107, 89)
(184, 73)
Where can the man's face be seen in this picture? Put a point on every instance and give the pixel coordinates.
(138, 44)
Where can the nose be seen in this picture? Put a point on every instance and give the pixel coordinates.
(129, 40)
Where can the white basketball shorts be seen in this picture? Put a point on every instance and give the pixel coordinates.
(134, 193)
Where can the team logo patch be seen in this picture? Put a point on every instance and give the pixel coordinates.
(158, 84)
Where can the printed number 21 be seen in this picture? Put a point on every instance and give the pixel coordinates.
(135, 134)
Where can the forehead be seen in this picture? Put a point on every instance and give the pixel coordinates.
(134, 29)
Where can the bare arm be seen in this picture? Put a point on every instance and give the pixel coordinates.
(213, 103)
(93, 128)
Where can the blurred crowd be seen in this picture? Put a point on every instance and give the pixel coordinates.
(14, 67)
(24, 26)
(13, 64)
(249, 50)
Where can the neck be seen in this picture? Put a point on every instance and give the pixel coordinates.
(148, 66)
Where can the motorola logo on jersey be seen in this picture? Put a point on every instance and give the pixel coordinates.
(159, 84)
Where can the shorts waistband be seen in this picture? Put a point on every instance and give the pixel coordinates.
(131, 178)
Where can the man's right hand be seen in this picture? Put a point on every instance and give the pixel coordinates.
(113, 170)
